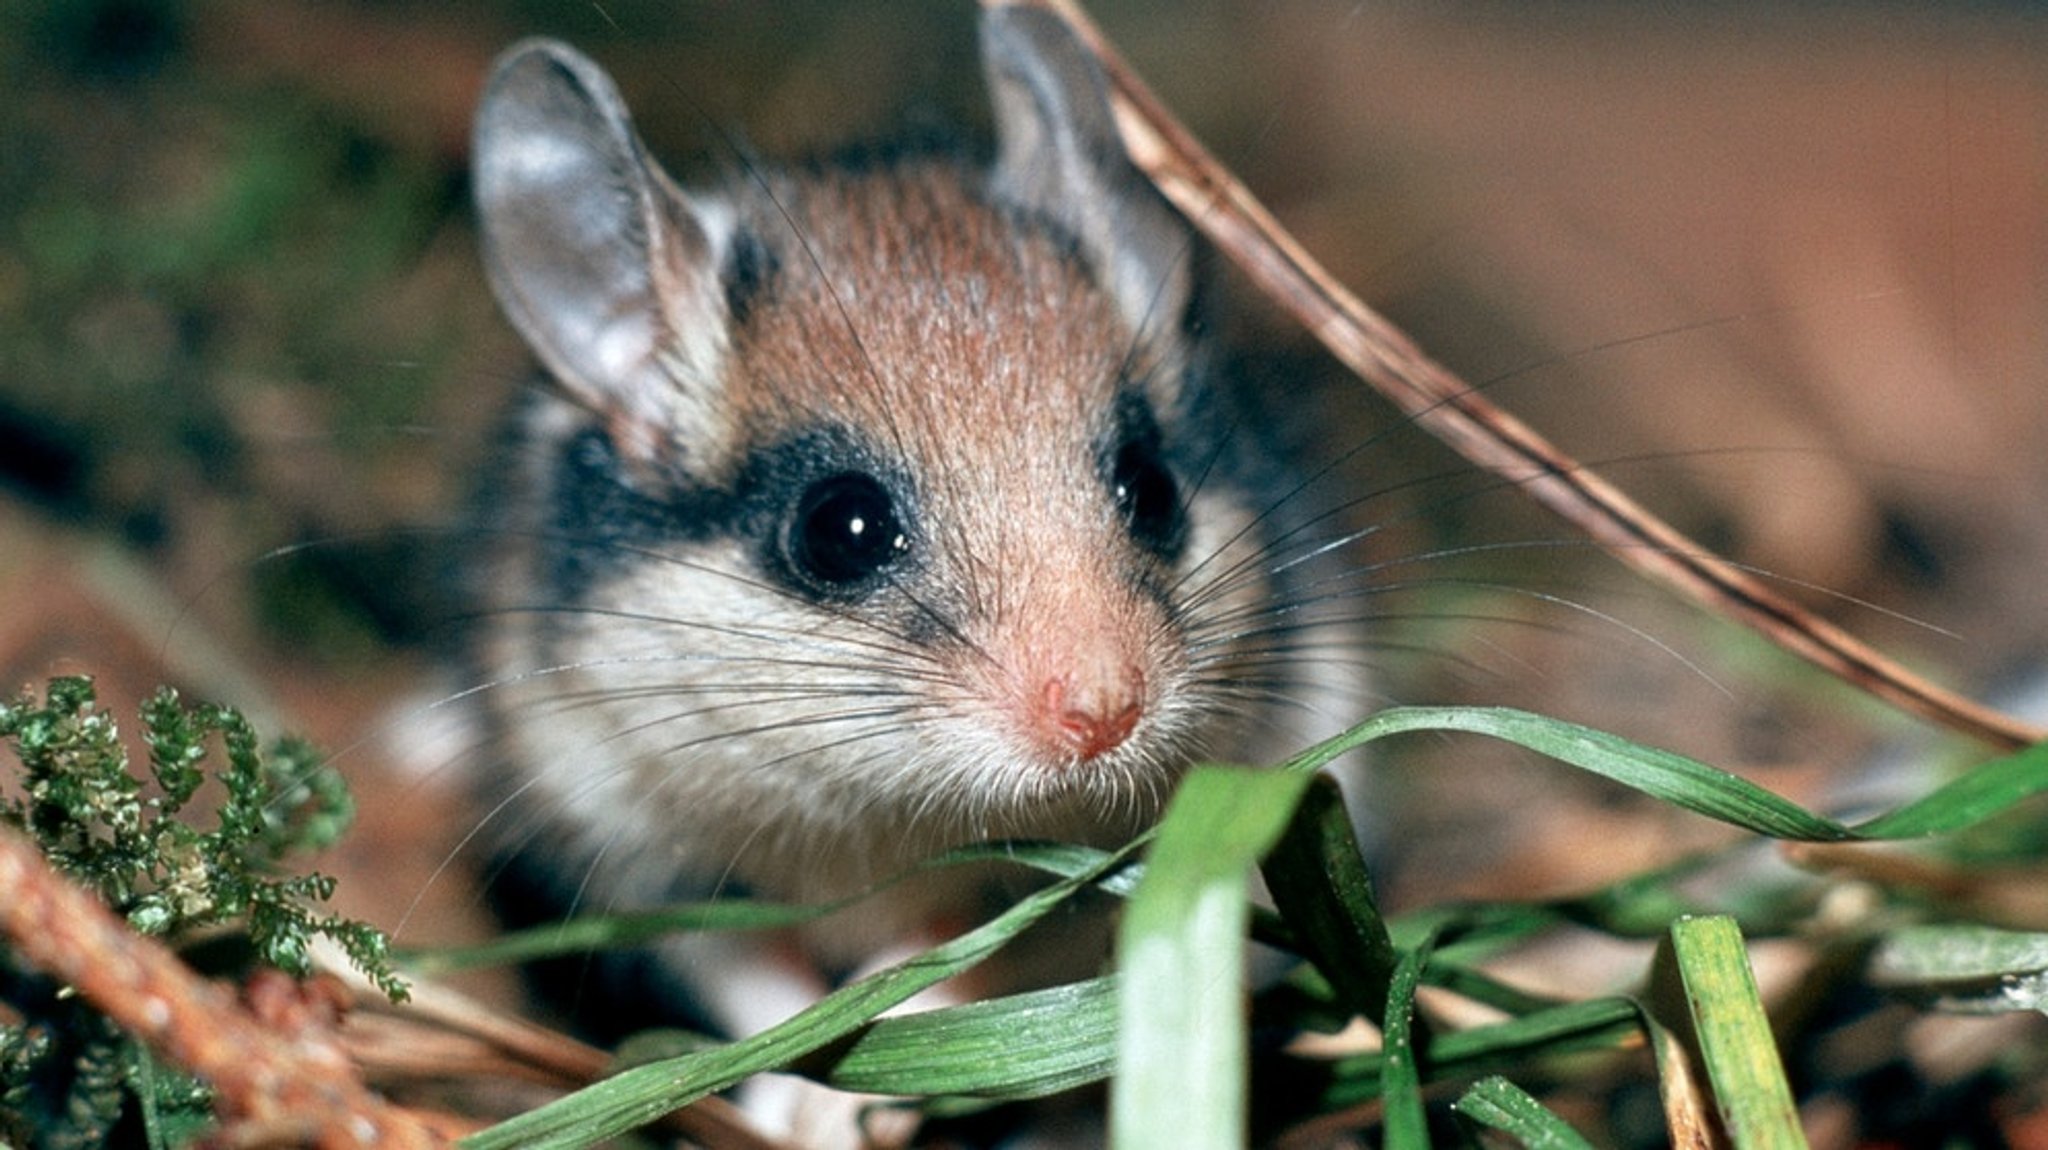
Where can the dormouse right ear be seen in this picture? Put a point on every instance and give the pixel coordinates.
(599, 260)
(1061, 155)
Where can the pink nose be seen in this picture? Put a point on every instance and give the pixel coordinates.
(1090, 720)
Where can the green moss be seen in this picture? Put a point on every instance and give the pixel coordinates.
(67, 1076)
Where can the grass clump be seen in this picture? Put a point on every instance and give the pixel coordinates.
(1193, 1052)
(1193, 1057)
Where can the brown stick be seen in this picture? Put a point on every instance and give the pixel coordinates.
(1454, 412)
(306, 1094)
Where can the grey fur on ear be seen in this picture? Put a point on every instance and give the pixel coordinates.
(603, 265)
(1059, 153)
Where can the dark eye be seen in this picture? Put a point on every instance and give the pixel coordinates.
(845, 530)
(1148, 497)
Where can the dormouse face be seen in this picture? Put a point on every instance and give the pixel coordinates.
(882, 500)
(954, 435)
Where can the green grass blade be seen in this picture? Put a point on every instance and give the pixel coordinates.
(1321, 887)
(1661, 774)
(1181, 1057)
(1733, 1036)
(1594, 1024)
(1480, 987)
(1967, 799)
(587, 934)
(1966, 968)
(1022, 1046)
(1959, 953)
(1499, 1104)
(1695, 786)
(1401, 1075)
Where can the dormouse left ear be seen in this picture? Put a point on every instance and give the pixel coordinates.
(609, 271)
(1059, 154)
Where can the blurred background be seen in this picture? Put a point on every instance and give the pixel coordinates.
(1783, 269)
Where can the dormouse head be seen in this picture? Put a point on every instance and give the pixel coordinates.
(911, 460)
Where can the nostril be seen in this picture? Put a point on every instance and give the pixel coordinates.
(1093, 720)
(1096, 735)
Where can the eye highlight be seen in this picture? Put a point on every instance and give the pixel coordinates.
(1149, 498)
(845, 530)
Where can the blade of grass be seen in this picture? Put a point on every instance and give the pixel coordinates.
(1661, 774)
(1496, 1103)
(1322, 889)
(1695, 786)
(1966, 800)
(1022, 1046)
(1733, 1036)
(588, 933)
(585, 934)
(1958, 953)
(1181, 1055)
(1966, 968)
(1477, 986)
(1594, 1024)
(1401, 1075)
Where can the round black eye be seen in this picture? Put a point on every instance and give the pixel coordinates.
(845, 530)
(1148, 497)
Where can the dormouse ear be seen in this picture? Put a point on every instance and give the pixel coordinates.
(603, 265)
(1059, 154)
